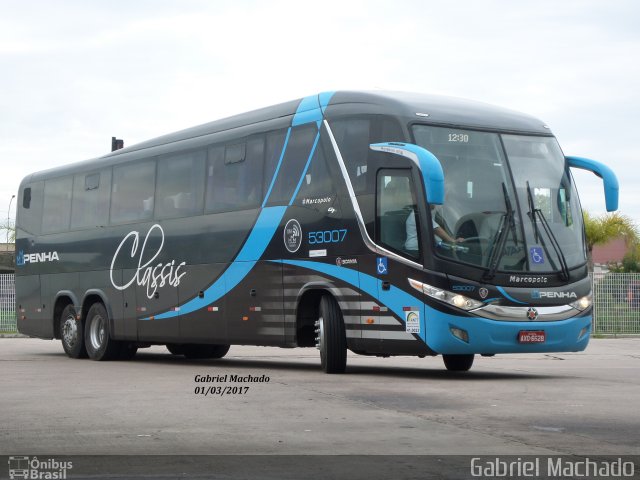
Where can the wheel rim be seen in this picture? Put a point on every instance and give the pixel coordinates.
(320, 333)
(97, 332)
(70, 331)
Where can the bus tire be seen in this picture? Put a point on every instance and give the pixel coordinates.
(198, 351)
(219, 351)
(332, 341)
(72, 333)
(458, 363)
(128, 350)
(98, 343)
(175, 348)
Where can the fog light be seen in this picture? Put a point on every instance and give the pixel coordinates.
(460, 333)
(583, 332)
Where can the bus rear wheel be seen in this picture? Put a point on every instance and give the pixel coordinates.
(331, 339)
(97, 340)
(458, 363)
(72, 333)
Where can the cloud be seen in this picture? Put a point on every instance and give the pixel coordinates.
(76, 73)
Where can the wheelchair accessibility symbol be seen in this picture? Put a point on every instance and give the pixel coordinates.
(537, 255)
(382, 265)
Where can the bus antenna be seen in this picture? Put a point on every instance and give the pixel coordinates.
(116, 144)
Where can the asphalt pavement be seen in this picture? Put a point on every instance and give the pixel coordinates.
(271, 401)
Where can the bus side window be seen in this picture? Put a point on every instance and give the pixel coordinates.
(90, 204)
(26, 198)
(29, 217)
(273, 152)
(295, 159)
(234, 176)
(57, 204)
(180, 187)
(353, 138)
(133, 191)
(317, 183)
(394, 206)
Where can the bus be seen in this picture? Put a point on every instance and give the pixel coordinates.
(380, 223)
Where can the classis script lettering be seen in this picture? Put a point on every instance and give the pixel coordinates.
(147, 274)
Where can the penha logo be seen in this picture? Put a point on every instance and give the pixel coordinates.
(23, 258)
(537, 294)
(147, 275)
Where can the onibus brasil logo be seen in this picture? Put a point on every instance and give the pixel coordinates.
(34, 468)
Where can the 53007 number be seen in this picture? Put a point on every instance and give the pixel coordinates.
(327, 236)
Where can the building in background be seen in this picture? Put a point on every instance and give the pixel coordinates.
(7, 258)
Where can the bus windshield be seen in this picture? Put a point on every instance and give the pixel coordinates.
(509, 197)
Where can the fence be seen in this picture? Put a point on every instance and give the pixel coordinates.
(616, 303)
(7, 303)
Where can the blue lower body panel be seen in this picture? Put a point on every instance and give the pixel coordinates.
(491, 336)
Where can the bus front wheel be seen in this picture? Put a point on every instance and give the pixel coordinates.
(72, 333)
(99, 344)
(458, 363)
(331, 339)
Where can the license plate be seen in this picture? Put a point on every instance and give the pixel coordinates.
(531, 336)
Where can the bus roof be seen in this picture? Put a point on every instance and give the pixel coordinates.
(431, 109)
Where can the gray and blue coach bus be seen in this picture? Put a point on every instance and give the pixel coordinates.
(381, 223)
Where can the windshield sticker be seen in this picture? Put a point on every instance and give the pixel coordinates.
(537, 255)
(147, 275)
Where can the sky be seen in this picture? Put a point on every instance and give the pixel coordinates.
(74, 73)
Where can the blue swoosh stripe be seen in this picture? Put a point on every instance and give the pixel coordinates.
(509, 297)
(253, 248)
(310, 109)
(306, 167)
(364, 282)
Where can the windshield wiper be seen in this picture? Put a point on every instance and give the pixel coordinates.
(532, 215)
(536, 212)
(503, 234)
(511, 215)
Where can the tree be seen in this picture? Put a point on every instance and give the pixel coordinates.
(630, 263)
(600, 230)
(11, 228)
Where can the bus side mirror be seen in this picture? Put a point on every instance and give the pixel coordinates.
(609, 178)
(427, 163)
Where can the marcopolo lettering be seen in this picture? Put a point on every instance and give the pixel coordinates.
(528, 279)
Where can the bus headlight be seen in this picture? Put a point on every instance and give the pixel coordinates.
(583, 303)
(455, 299)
